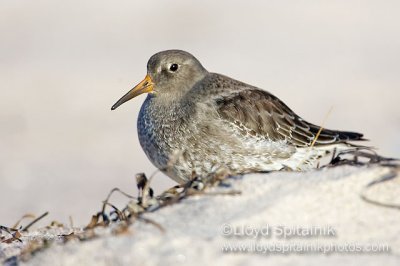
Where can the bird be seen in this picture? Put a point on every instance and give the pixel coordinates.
(198, 122)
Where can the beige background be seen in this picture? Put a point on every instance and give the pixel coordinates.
(64, 63)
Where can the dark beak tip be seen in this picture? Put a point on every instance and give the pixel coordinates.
(115, 106)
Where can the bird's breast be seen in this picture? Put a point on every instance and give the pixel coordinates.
(159, 131)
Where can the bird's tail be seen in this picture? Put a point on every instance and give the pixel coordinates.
(328, 136)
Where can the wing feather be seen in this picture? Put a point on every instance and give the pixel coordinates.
(263, 114)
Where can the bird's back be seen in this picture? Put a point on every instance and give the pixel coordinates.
(261, 114)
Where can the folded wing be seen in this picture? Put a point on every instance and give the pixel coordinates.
(261, 114)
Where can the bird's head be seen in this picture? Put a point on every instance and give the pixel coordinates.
(170, 74)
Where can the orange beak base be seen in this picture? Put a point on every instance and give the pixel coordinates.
(145, 86)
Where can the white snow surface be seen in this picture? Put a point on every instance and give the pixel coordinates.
(194, 228)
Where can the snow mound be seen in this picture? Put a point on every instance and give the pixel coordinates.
(323, 217)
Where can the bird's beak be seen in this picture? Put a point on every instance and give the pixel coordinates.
(144, 86)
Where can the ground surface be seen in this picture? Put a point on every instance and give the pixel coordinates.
(326, 203)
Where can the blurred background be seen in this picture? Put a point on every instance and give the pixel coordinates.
(64, 63)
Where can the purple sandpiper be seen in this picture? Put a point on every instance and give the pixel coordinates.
(194, 121)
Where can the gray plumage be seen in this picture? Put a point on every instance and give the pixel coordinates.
(196, 121)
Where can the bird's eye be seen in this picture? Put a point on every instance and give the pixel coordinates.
(173, 67)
